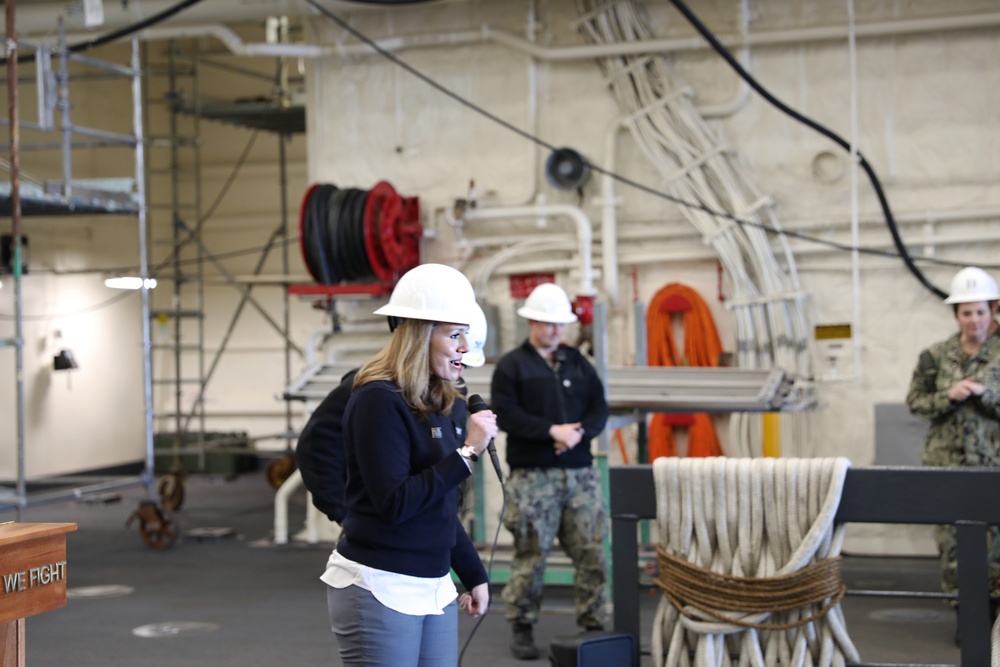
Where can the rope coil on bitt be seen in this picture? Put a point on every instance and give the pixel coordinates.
(354, 235)
(750, 563)
(685, 584)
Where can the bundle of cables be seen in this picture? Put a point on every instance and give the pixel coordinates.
(702, 348)
(349, 234)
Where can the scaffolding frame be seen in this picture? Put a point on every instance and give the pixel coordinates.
(68, 199)
(282, 119)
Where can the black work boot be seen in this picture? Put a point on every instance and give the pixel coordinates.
(522, 642)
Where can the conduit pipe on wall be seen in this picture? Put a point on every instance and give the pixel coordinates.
(924, 217)
(235, 43)
(810, 225)
(532, 246)
(40, 17)
(531, 26)
(852, 51)
(584, 230)
(772, 38)
(609, 216)
(583, 52)
(687, 247)
(743, 86)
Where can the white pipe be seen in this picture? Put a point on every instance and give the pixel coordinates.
(609, 217)
(316, 340)
(234, 42)
(564, 53)
(693, 251)
(912, 217)
(40, 18)
(504, 257)
(318, 527)
(281, 496)
(742, 95)
(777, 37)
(870, 219)
(535, 266)
(584, 230)
(505, 240)
(855, 228)
(533, 115)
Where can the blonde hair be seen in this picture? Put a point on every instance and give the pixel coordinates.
(405, 361)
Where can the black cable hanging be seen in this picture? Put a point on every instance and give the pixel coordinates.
(901, 248)
(890, 222)
(624, 180)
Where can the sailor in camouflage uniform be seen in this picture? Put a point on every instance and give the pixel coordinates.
(956, 385)
(550, 401)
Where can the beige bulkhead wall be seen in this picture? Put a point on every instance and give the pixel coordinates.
(931, 151)
(926, 114)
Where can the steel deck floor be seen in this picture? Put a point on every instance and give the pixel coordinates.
(241, 601)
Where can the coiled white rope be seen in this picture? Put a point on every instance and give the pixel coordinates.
(771, 329)
(750, 518)
(995, 644)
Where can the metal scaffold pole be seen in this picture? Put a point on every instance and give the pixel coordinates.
(140, 187)
(15, 216)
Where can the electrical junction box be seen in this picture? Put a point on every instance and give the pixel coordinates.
(834, 351)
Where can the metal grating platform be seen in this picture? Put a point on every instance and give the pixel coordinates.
(658, 389)
(90, 197)
(262, 114)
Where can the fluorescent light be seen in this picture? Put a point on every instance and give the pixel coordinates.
(130, 282)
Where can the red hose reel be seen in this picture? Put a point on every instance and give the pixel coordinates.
(350, 237)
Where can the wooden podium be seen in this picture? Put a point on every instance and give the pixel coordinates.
(32, 579)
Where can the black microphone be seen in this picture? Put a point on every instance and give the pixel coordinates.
(476, 403)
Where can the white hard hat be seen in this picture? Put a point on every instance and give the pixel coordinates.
(972, 284)
(478, 329)
(432, 292)
(548, 303)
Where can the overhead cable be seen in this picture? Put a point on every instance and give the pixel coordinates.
(624, 180)
(826, 132)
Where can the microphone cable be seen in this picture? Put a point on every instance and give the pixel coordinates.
(489, 572)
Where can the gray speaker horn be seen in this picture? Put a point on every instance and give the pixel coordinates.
(565, 169)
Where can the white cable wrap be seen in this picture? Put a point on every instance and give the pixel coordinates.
(750, 518)
(995, 644)
(772, 330)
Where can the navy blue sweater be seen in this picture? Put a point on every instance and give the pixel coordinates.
(529, 395)
(403, 472)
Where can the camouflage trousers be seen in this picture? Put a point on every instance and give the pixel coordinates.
(948, 550)
(545, 503)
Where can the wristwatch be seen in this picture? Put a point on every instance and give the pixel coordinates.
(469, 452)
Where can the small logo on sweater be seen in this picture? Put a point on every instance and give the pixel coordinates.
(458, 431)
(436, 432)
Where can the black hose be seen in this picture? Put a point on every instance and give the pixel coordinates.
(331, 223)
(345, 244)
(357, 237)
(319, 204)
(889, 220)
